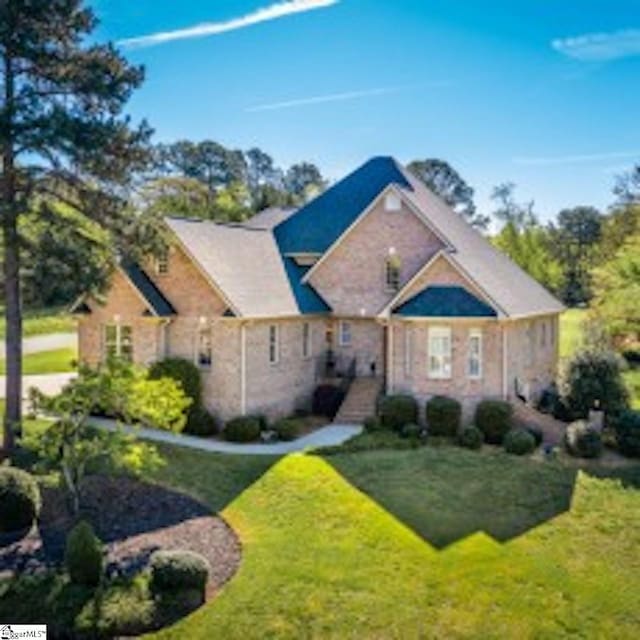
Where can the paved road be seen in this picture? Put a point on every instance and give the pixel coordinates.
(48, 342)
(330, 435)
(49, 383)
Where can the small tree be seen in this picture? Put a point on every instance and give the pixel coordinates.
(71, 444)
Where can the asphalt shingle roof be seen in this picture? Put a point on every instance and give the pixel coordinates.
(445, 302)
(143, 283)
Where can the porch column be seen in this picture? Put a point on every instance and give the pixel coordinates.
(389, 358)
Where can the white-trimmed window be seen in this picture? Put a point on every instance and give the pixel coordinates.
(393, 271)
(543, 334)
(439, 353)
(274, 344)
(392, 202)
(344, 335)
(118, 342)
(306, 340)
(205, 348)
(408, 351)
(162, 262)
(474, 363)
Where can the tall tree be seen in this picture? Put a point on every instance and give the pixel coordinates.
(304, 180)
(447, 183)
(628, 187)
(62, 134)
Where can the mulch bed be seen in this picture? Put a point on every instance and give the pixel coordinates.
(133, 519)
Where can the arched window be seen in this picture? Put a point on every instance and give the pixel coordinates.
(393, 269)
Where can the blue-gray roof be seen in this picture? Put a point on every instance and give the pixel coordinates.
(307, 298)
(143, 283)
(317, 225)
(445, 302)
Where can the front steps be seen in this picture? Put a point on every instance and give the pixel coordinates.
(360, 402)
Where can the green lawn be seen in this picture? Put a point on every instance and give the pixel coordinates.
(323, 559)
(56, 361)
(36, 322)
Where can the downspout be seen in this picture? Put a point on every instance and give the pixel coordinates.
(243, 369)
(389, 358)
(505, 362)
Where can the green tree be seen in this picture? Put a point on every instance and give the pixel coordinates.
(304, 180)
(447, 183)
(178, 196)
(62, 136)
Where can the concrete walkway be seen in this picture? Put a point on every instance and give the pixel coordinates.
(48, 383)
(48, 342)
(330, 435)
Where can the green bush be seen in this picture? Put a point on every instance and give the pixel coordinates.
(494, 418)
(372, 424)
(327, 399)
(536, 432)
(627, 429)
(595, 379)
(443, 416)
(19, 499)
(200, 422)
(173, 571)
(287, 428)
(83, 555)
(397, 411)
(242, 429)
(519, 442)
(411, 431)
(582, 440)
(471, 438)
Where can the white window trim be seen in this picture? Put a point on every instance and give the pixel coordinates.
(341, 334)
(201, 330)
(475, 333)
(442, 374)
(276, 344)
(392, 263)
(118, 342)
(307, 340)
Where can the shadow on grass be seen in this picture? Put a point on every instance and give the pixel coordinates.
(446, 494)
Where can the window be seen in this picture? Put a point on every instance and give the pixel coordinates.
(162, 262)
(408, 351)
(205, 348)
(543, 334)
(118, 342)
(392, 275)
(345, 334)
(392, 202)
(475, 354)
(274, 344)
(306, 340)
(439, 350)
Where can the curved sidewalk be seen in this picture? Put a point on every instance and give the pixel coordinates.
(331, 435)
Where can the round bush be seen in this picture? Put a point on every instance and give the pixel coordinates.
(494, 418)
(183, 371)
(287, 428)
(411, 431)
(397, 411)
(19, 499)
(83, 555)
(200, 422)
(327, 399)
(536, 432)
(471, 438)
(179, 570)
(372, 424)
(627, 429)
(582, 440)
(519, 442)
(443, 416)
(242, 429)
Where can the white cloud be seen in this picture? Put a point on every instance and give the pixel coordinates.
(599, 47)
(331, 97)
(575, 159)
(272, 12)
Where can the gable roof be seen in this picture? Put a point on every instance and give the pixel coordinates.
(268, 218)
(317, 225)
(246, 266)
(156, 300)
(444, 301)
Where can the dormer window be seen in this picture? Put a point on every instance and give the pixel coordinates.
(392, 202)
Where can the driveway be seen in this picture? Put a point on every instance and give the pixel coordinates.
(48, 342)
(49, 383)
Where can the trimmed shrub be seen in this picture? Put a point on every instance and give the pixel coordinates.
(327, 399)
(397, 411)
(19, 499)
(173, 571)
(372, 423)
(519, 442)
(627, 430)
(200, 422)
(536, 432)
(443, 416)
(411, 431)
(471, 438)
(242, 429)
(494, 418)
(287, 428)
(83, 555)
(582, 440)
(595, 379)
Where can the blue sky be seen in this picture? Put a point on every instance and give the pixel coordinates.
(543, 93)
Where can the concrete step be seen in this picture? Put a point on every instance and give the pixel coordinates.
(360, 402)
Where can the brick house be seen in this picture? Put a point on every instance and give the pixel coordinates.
(376, 275)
